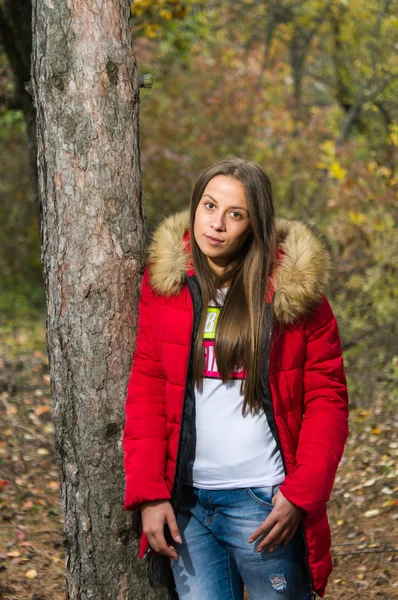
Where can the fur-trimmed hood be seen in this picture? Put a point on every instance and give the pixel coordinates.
(299, 277)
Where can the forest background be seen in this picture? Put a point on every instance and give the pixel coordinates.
(308, 89)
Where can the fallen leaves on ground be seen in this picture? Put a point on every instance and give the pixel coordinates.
(363, 510)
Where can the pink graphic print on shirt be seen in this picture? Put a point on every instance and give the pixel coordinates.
(210, 370)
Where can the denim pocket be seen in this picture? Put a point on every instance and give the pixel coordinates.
(263, 495)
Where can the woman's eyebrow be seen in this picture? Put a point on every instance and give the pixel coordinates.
(214, 200)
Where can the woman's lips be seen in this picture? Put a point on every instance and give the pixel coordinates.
(214, 241)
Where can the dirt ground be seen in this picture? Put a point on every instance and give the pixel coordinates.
(363, 509)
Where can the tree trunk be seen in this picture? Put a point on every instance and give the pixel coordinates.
(94, 235)
(16, 39)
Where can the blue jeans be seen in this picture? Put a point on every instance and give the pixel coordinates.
(215, 558)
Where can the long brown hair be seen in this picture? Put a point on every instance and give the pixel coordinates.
(238, 332)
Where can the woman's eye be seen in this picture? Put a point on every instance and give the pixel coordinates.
(209, 204)
(235, 214)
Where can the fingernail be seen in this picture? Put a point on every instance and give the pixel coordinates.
(178, 539)
(250, 540)
(270, 549)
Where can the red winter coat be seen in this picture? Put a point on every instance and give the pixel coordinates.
(303, 373)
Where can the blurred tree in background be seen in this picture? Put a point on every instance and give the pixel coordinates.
(21, 289)
(308, 89)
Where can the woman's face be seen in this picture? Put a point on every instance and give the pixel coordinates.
(222, 221)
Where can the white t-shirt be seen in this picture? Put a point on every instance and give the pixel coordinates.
(230, 450)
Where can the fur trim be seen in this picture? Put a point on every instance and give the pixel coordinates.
(303, 271)
(299, 277)
(167, 255)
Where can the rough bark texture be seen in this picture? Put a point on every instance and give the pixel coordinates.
(94, 235)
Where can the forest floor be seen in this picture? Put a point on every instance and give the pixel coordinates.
(363, 509)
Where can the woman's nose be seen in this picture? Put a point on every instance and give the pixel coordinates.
(218, 222)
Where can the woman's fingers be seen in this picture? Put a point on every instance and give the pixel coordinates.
(158, 542)
(154, 517)
(281, 533)
(172, 523)
(272, 539)
(265, 527)
(280, 525)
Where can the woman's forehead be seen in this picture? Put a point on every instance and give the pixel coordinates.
(223, 190)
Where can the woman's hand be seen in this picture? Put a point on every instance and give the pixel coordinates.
(154, 517)
(280, 525)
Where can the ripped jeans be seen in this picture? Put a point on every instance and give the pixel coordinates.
(215, 558)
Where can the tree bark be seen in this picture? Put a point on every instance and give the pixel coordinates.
(94, 235)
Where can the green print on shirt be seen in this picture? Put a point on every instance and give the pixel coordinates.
(211, 323)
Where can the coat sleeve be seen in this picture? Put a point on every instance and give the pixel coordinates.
(324, 428)
(144, 436)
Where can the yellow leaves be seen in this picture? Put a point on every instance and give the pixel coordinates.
(393, 182)
(393, 135)
(141, 5)
(364, 414)
(329, 162)
(31, 574)
(390, 502)
(376, 431)
(227, 57)
(42, 451)
(155, 9)
(152, 16)
(56, 560)
(361, 576)
(379, 170)
(384, 171)
(371, 513)
(372, 166)
(337, 171)
(165, 14)
(357, 218)
(11, 410)
(328, 148)
(152, 30)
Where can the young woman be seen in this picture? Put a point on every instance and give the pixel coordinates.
(236, 411)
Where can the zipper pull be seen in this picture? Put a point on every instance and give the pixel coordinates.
(147, 551)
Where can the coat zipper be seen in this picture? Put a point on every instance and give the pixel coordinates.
(195, 323)
(269, 408)
(196, 314)
(271, 413)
